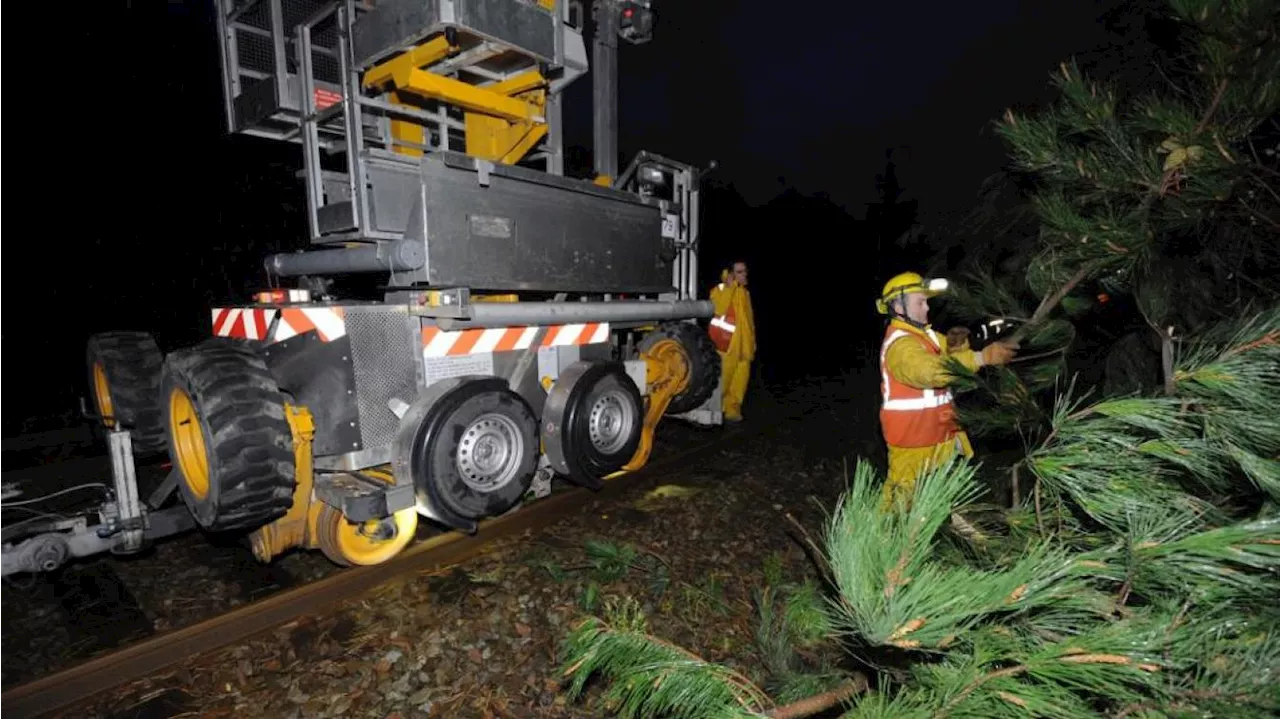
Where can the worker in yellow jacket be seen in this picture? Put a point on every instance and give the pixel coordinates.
(917, 413)
(733, 331)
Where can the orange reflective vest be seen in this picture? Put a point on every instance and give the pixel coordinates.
(910, 416)
(723, 326)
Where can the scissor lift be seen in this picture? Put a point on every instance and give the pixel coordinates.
(478, 77)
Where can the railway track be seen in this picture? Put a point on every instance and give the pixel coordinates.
(67, 687)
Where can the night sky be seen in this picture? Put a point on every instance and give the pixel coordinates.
(817, 95)
(152, 214)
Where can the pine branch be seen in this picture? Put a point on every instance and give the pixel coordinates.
(893, 595)
(1238, 561)
(651, 677)
(1213, 107)
(973, 686)
(1050, 302)
(805, 616)
(783, 639)
(1102, 193)
(1128, 456)
(821, 702)
(816, 552)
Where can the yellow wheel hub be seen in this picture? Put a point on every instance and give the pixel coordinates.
(674, 360)
(667, 374)
(102, 392)
(347, 542)
(188, 443)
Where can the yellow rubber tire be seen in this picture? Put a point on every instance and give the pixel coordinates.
(124, 383)
(228, 436)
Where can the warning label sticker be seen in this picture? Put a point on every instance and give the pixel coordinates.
(438, 368)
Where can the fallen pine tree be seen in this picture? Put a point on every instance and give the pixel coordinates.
(1138, 579)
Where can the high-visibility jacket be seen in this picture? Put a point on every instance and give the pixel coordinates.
(732, 328)
(723, 326)
(914, 416)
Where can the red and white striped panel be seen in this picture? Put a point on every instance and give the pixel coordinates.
(252, 323)
(242, 322)
(329, 322)
(439, 343)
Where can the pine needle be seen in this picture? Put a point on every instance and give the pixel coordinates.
(651, 678)
(891, 590)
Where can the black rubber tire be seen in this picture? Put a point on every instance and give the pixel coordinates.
(247, 440)
(132, 363)
(585, 460)
(704, 363)
(441, 437)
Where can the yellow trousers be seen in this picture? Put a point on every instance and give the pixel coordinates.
(906, 464)
(735, 373)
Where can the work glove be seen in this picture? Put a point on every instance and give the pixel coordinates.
(957, 337)
(998, 353)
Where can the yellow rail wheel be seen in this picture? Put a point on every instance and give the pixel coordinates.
(701, 358)
(350, 543)
(227, 435)
(124, 382)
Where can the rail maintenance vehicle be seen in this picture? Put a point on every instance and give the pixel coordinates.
(531, 325)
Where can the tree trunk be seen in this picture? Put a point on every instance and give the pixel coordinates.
(1166, 361)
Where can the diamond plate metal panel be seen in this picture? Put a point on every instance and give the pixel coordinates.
(382, 354)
